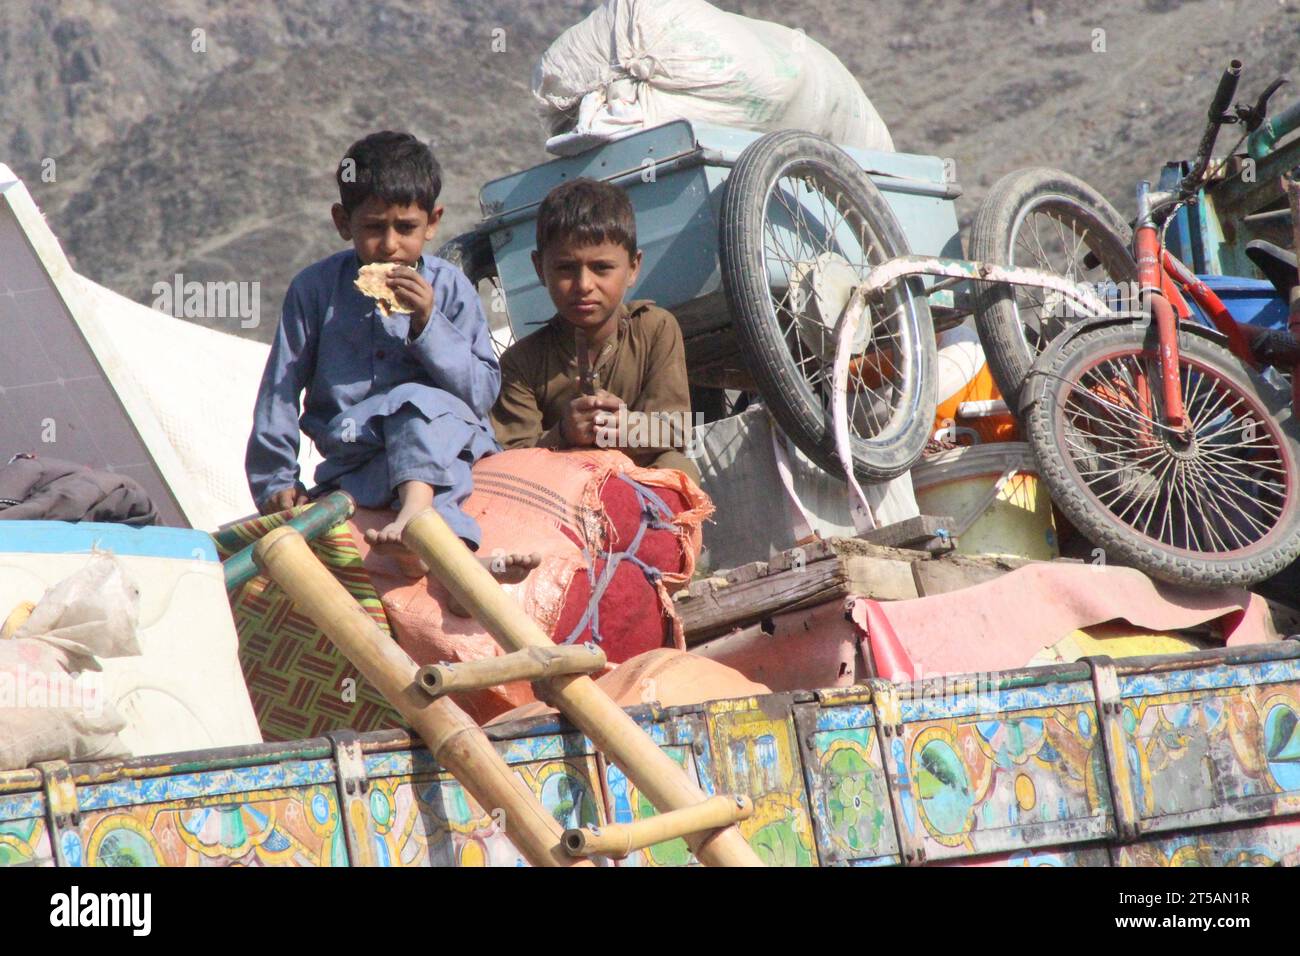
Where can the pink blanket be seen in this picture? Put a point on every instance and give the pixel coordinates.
(998, 625)
(1002, 623)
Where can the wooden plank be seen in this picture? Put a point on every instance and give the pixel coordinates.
(956, 571)
(831, 569)
(916, 532)
(1286, 620)
(886, 579)
(719, 609)
(851, 566)
(705, 585)
(746, 572)
(802, 555)
(787, 583)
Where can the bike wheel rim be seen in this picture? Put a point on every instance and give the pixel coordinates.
(877, 413)
(1027, 249)
(1245, 482)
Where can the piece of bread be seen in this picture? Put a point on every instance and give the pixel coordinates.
(373, 281)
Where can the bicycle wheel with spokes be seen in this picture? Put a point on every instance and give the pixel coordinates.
(802, 226)
(1045, 219)
(1214, 506)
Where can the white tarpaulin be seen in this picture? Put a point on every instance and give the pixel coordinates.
(201, 385)
(632, 64)
(186, 391)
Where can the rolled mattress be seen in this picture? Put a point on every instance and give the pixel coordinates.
(186, 690)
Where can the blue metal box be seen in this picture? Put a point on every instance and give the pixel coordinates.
(674, 174)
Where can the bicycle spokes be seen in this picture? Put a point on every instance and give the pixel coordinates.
(1218, 486)
(817, 247)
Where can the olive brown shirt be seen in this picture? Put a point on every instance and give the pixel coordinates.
(643, 364)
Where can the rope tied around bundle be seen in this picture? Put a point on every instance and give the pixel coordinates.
(656, 516)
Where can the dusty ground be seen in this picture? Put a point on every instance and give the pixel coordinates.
(217, 164)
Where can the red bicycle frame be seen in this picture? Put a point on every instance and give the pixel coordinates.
(1178, 276)
(1163, 279)
(1166, 284)
(1151, 282)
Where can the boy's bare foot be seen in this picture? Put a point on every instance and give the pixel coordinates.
(388, 540)
(414, 497)
(506, 568)
(510, 568)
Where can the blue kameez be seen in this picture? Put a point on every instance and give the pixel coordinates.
(381, 409)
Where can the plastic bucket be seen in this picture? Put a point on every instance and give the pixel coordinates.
(1015, 520)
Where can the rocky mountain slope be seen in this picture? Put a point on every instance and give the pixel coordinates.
(210, 154)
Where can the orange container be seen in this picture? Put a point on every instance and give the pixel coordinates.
(963, 376)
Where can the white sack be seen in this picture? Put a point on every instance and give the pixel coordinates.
(745, 459)
(50, 713)
(633, 64)
(53, 702)
(93, 613)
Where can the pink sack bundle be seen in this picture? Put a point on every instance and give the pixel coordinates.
(629, 536)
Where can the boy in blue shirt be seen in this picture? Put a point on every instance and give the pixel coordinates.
(397, 403)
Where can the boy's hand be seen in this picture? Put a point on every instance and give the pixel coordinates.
(413, 291)
(588, 414)
(283, 500)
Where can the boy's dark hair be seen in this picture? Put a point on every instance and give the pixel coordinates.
(396, 167)
(589, 212)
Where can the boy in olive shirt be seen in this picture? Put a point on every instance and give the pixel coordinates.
(634, 394)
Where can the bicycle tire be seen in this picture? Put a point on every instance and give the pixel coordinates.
(1054, 386)
(472, 254)
(1000, 223)
(800, 405)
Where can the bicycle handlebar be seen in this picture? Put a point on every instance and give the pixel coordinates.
(1267, 132)
(1227, 90)
(1218, 108)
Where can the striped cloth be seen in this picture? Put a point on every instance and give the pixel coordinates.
(299, 684)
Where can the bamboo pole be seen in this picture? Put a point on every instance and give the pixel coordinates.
(533, 663)
(455, 741)
(320, 517)
(608, 726)
(620, 839)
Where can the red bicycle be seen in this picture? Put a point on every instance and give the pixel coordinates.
(1157, 436)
